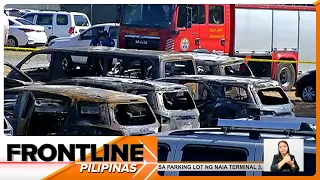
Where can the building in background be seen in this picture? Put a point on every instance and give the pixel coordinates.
(93, 11)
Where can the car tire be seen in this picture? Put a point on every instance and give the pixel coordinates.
(50, 39)
(12, 41)
(286, 76)
(67, 63)
(308, 93)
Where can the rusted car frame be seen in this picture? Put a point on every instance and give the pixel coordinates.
(213, 64)
(234, 97)
(106, 61)
(21, 78)
(172, 103)
(75, 110)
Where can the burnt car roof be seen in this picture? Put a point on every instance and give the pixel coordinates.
(116, 83)
(211, 59)
(256, 82)
(120, 52)
(156, 85)
(80, 93)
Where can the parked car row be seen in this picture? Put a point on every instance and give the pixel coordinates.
(25, 33)
(54, 25)
(168, 82)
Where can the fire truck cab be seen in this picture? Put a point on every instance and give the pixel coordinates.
(269, 32)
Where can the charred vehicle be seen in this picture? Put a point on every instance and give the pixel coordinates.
(234, 97)
(8, 130)
(172, 103)
(51, 64)
(215, 64)
(21, 78)
(41, 110)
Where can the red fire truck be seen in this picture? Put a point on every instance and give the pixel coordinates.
(277, 32)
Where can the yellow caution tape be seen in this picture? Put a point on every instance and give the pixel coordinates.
(246, 59)
(21, 49)
(284, 61)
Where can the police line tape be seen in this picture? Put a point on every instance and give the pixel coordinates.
(246, 59)
(21, 49)
(282, 61)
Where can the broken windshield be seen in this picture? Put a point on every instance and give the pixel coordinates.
(180, 100)
(272, 96)
(239, 69)
(173, 68)
(147, 15)
(134, 114)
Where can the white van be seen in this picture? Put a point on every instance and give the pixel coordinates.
(60, 24)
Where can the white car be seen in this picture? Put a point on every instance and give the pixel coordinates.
(24, 33)
(85, 38)
(60, 24)
(12, 12)
(6, 28)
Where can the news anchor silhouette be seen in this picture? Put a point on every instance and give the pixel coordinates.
(284, 161)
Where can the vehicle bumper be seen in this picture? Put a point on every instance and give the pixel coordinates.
(37, 40)
(280, 115)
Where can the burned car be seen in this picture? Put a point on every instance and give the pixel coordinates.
(234, 97)
(8, 130)
(41, 110)
(172, 103)
(21, 78)
(213, 64)
(64, 63)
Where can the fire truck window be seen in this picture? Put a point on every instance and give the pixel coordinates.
(195, 14)
(202, 14)
(216, 15)
(182, 16)
(198, 14)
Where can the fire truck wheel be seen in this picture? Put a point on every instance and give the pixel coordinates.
(286, 75)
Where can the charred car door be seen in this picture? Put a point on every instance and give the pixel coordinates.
(35, 65)
(235, 102)
(22, 112)
(205, 100)
(8, 130)
(21, 79)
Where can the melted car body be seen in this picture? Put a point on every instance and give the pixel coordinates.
(104, 61)
(234, 97)
(172, 103)
(213, 64)
(73, 110)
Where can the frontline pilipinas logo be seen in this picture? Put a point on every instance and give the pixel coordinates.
(128, 157)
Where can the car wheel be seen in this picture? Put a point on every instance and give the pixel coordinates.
(66, 63)
(286, 76)
(12, 41)
(50, 39)
(308, 94)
